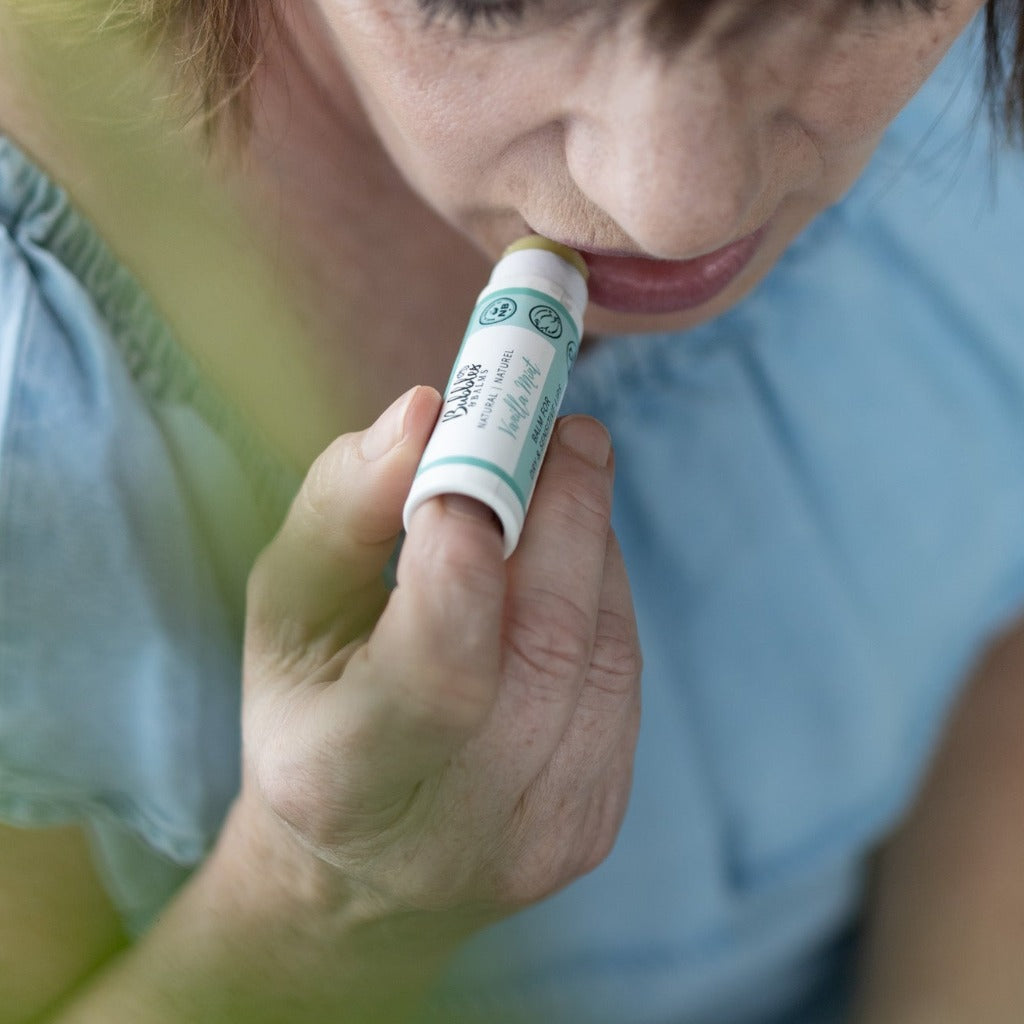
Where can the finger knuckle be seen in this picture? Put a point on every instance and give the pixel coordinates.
(617, 652)
(452, 702)
(595, 853)
(324, 483)
(338, 506)
(588, 504)
(541, 854)
(460, 560)
(289, 788)
(552, 635)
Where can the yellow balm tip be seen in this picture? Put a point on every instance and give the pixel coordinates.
(570, 256)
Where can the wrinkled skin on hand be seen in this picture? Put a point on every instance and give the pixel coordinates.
(465, 741)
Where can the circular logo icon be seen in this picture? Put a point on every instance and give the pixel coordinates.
(570, 352)
(500, 309)
(547, 321)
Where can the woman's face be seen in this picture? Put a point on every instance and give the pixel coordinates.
(681, 145)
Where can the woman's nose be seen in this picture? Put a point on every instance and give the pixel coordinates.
(663, 147)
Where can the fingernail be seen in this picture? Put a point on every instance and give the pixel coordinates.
(469, 508)
(387, 430)
(587, 438)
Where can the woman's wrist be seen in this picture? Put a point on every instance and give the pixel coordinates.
(265, 875)
(266, 933)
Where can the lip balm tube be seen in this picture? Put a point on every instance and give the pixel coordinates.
(507, 384)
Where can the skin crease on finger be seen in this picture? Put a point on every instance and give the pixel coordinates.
(572, 121)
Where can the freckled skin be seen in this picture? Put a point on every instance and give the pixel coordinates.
(570, 124)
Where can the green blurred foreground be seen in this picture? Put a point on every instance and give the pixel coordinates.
(143, 173)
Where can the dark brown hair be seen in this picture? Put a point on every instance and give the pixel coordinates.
(217, 45)
(1004, 63)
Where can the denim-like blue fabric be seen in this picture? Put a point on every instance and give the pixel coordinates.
(820, 496)
(132, 501)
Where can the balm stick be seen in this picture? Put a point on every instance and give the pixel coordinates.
(507, 384)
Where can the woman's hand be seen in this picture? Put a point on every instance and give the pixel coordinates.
(415, 763)
(465, 742)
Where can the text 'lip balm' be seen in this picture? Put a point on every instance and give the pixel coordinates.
(507, 384)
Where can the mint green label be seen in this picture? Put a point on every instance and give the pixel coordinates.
(506, 388)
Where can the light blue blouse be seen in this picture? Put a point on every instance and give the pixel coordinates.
(820, 499)
(820, 496)
(132, 503)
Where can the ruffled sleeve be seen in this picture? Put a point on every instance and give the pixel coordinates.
(120, 595)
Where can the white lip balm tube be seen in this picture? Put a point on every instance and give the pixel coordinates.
(507, 384)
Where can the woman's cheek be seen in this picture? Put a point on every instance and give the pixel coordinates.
(863, 83)
(455, 139)
(854, 103)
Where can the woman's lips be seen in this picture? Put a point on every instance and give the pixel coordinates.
(636, 284)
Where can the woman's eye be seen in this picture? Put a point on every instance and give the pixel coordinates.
(471, 13)
(925, 6)
(492, 14)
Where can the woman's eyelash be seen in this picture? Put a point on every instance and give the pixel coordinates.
(472, 12)
(493, 13)
(924, 6)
